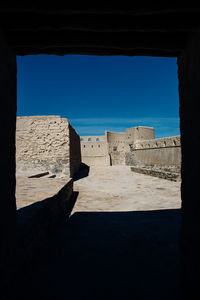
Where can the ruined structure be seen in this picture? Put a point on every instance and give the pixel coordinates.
(161, 30)
(47, 143)
(136, 146)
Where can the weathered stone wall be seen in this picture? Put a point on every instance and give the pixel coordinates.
(170, 173)
(94, 151)
(140, 133)
(163, 151)
(43, 144)
(136, 146)
(119, 143)
(117, 147)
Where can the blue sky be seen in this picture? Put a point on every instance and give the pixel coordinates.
(98, 93)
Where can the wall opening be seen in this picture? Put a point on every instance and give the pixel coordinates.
(119, 189)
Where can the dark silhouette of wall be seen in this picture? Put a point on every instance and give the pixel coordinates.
(109, 255)
(8, 85)
(189, 92)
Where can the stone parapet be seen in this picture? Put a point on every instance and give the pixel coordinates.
(173, 141)
(168, 173)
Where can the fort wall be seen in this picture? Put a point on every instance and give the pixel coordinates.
(136, 146)
(140, 133)
(163, 151)
(47, 143)
(94, 151)
(117, 147)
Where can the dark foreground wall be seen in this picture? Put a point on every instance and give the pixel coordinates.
(160, 42)
(8, 85)
(189, 91)
(35, 223)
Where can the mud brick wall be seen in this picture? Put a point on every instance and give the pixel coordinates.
(117, 147)
(94, 150)
(43, 144)
(163, 151)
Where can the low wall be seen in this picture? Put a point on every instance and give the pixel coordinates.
(164, 151)
(169, 175)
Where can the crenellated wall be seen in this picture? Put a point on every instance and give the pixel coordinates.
(158, 143)
(163, 151)
(135, 146)
(94, 150)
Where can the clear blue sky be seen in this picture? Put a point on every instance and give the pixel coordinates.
(101, 93)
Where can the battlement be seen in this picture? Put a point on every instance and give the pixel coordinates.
(124, 148)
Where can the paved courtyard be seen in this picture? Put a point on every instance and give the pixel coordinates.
(30, 190)
(113, 188)
(116, 188)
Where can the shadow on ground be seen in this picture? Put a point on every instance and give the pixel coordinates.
(82, 172)
(109, 255)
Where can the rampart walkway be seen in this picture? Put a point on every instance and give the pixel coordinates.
(121, 241)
